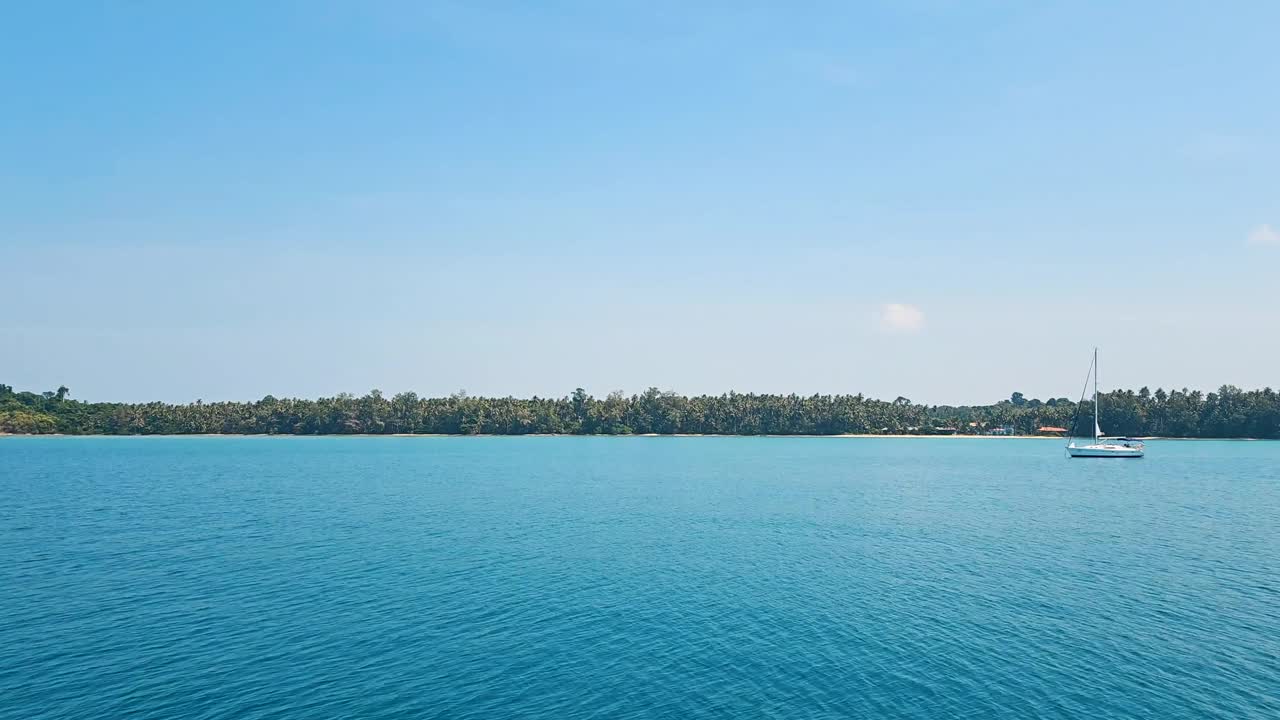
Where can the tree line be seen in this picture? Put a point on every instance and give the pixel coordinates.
(1229, 412)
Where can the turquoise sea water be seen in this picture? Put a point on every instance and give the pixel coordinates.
(300, 578)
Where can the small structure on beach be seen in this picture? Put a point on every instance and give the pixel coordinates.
(1050, 430)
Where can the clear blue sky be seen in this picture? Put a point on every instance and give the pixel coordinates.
(944, 200)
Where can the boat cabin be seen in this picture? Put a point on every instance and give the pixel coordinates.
(1122, 441)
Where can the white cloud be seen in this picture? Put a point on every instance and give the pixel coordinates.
(1264, 235)
(900, 318)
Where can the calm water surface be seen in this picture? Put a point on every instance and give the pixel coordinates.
(300, 578)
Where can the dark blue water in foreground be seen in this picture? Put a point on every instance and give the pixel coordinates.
(292, 578)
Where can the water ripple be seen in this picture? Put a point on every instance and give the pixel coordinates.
(635, 578)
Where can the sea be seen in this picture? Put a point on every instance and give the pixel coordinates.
(292, 578)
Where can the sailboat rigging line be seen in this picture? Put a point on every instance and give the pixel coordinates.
(1075, 422)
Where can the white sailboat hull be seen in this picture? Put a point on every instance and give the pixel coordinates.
(1104, 451)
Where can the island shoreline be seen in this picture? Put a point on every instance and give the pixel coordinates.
(848, 436)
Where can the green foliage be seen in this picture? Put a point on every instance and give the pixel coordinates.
(1229, 412)
(26, 422)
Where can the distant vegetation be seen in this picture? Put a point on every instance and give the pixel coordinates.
(1229, 412)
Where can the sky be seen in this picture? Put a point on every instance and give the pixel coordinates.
(948, 201)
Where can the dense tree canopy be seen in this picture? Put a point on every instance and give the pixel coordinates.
(1229, 412)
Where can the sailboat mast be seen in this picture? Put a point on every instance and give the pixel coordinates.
(1095, 395)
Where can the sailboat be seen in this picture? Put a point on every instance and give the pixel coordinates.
(1102, 446)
